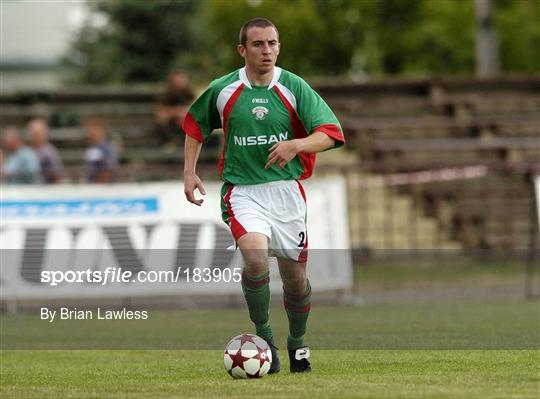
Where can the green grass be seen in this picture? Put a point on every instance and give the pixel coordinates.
(440, 325)
(454, 348)
(393, 270)
(338, 374)
(457, 349)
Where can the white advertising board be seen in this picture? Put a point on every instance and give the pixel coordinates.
(148, 227)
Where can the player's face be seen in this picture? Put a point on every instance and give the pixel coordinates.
(261, 49)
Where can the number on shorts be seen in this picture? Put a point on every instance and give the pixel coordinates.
(302, 236)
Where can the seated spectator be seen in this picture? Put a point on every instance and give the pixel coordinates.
(21, 165)
(49, 160)
(100, 158)
(172, 106)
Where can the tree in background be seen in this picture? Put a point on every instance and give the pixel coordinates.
(310, 44)
(426, 37)
(518, 24)
(137, 41)
(143, 39)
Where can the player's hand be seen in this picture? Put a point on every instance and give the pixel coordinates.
(192, 182)
(281, 153)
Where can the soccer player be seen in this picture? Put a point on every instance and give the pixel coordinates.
(274, 123)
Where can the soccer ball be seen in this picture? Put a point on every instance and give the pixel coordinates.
(247, 356)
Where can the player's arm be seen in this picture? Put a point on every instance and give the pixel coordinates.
(200, 120)
(281, 153)
(316, 142)
(192, 149)
(317, 118)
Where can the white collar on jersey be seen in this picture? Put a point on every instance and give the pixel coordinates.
(275, 77)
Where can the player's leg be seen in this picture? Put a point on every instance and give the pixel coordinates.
(289, 242)
(251, 233)
(255, 280)
(297, 301)
(296, 298)
(256, 288)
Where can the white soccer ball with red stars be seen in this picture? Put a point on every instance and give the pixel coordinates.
(247, 356)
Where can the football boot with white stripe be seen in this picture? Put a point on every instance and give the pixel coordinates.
(299, 360)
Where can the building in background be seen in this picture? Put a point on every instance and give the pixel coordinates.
(34, 38)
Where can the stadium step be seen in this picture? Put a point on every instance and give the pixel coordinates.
(382, 218)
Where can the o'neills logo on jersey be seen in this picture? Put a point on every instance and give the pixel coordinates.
(261, 140)
(259, 112)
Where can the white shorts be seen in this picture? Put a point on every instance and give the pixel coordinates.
(276, 209)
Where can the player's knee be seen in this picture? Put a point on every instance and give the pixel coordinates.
(255, 266)
(296, 286)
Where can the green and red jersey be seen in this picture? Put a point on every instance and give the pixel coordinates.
(254, 118)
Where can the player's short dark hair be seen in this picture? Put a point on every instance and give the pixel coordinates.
(256, 22)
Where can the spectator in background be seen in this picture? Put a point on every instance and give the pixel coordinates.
(49, 160)
(101, 159)
(21, 165)
(171, 107)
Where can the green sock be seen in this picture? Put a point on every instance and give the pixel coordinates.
(257, 294)
(297, 308)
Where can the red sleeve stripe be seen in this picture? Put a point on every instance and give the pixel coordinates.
(192, 128)
(333, 131)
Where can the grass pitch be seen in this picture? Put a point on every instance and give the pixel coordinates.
(442, 350)
(337, 374)
(460, 347)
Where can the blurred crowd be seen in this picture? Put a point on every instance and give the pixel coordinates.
(30, 158)
(27, 155)
(172, 106)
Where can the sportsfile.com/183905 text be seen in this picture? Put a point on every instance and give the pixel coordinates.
(111, 275)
